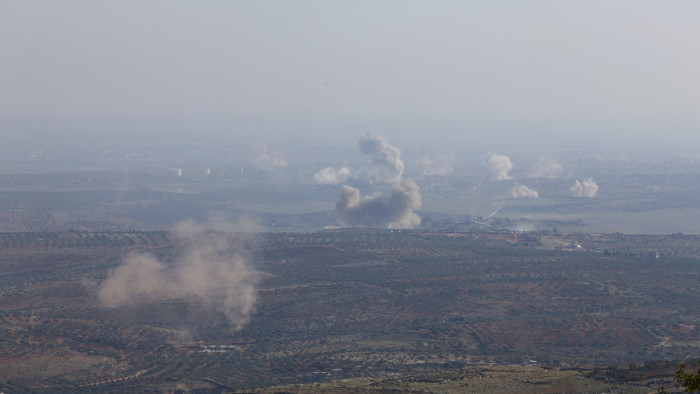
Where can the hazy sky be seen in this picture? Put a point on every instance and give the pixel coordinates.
(424, 70)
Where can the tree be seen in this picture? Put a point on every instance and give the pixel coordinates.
(690, 381)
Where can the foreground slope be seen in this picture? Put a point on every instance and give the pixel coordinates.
(648, 378)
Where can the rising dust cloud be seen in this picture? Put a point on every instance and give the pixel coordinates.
(331, 176)
(384, 157)
(207, 270)
(522, 191)
(499, 166)
(266, 160)
(588, 188)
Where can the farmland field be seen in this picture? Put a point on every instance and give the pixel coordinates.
(347, 303)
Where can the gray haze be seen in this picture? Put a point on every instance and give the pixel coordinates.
(264, 160)
(151, 90)
(449, 73)
(438, 164)
(547, 168)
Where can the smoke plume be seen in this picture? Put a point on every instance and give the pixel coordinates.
(499, 166)
(522, 191)
(386, 159)
(440, 164)
(586, 189)
(331, 176)
(207, 270)
(265, 160)
(547, 168)
(379, 210)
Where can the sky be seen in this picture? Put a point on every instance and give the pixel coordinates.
(450, 71)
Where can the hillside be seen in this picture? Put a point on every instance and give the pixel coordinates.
(347, 304)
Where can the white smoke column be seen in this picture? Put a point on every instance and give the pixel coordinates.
(265, 160)
(379, 210)
(586, 189)
(522, 191)
(440, 164)
(547, 168)
(500, 165)
(331, 176)
(386, 159)
(207, 270)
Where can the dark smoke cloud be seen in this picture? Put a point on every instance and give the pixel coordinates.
(395, 210)
(207, 270)
(386, 159)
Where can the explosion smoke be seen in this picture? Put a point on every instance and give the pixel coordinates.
(267, 161)
(440, 164)
(379, 210)
(331, 176)
(385, 157)
(208, 270)
(499, 165)
(547, 168)
(586, 189)
(522, 191)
